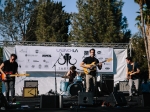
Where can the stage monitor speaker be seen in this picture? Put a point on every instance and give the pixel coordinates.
(116, 99)
(51, 101)
(145, 100)
(85, 98)
(31, 83)
(30, 91)
(124, 86)
(106, 86)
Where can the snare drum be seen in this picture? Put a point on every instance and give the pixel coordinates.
(63, 86)
(74, 89)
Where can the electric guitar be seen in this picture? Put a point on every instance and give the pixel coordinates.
(9, 74)
(130, 74)
(93, 66)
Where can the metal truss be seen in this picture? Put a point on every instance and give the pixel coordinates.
(65, 44)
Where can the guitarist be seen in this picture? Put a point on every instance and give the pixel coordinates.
(132, 75)
(5, 68)
(91, 76)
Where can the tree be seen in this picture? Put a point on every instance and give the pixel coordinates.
(139, 53)
(99, 21)
(144, 19)
(52, 22)
(14, 17)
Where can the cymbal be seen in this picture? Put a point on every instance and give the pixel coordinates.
(67, 77)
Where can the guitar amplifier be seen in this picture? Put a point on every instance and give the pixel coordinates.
(31, 83)
(107, 77)
(30, 92)
(124, 86)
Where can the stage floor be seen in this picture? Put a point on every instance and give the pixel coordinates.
(70, 104)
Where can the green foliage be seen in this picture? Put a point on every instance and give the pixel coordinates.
(99, 21)
(139, 53)
(14, 17)
(52, 22)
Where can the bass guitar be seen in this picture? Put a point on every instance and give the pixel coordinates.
(9, 74)
(93, 65)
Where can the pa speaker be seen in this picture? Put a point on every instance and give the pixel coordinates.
(85, 98)
(30, 91)
(116, 99)
(51, 101)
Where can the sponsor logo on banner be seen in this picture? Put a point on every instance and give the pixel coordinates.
(101, 58)
(36, 51)
(99, 52)
(107, 68)
(107, 63)
(45, 61)
(86, 52)
(30, 55)
(35, 61)
(33, 66)
(67, 50)
(40, 52)
(40, 66)
(23, 51)
(46, 55)
(19, 66)
(45, 66)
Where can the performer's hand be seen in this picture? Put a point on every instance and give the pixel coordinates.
(100, 64)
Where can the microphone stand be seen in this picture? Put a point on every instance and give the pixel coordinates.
(55, 78)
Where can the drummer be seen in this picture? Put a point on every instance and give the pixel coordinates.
(72, 73)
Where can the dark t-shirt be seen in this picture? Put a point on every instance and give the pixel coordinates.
(10, 67)
(130, 68)
(72, 75)
(89, 60)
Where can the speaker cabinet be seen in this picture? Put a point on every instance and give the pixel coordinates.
(116, 99)
(124, 86)
(30, 91)
(85, 98)
(31, 83)
(145, 100)
(51, 101)
(106, 86)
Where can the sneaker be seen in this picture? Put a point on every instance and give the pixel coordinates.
(14, 100)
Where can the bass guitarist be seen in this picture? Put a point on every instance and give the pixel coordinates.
(9, 67)
(132, 75)
(91, 75)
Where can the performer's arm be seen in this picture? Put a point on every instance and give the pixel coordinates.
(100, 66)
(1, 66)
(127, 70)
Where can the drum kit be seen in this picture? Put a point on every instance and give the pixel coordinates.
(72, 89)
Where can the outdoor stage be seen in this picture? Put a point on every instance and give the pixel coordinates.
(70, 104)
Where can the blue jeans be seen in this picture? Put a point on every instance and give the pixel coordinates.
(10, 86)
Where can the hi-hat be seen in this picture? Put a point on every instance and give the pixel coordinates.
(67, 77)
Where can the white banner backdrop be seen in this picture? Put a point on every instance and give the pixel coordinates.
(43, 58)
(46, 79)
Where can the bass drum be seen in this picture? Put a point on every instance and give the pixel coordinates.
(74, 89)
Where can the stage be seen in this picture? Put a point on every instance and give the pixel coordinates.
(47, 103)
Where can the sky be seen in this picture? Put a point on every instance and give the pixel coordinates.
(129, 10)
